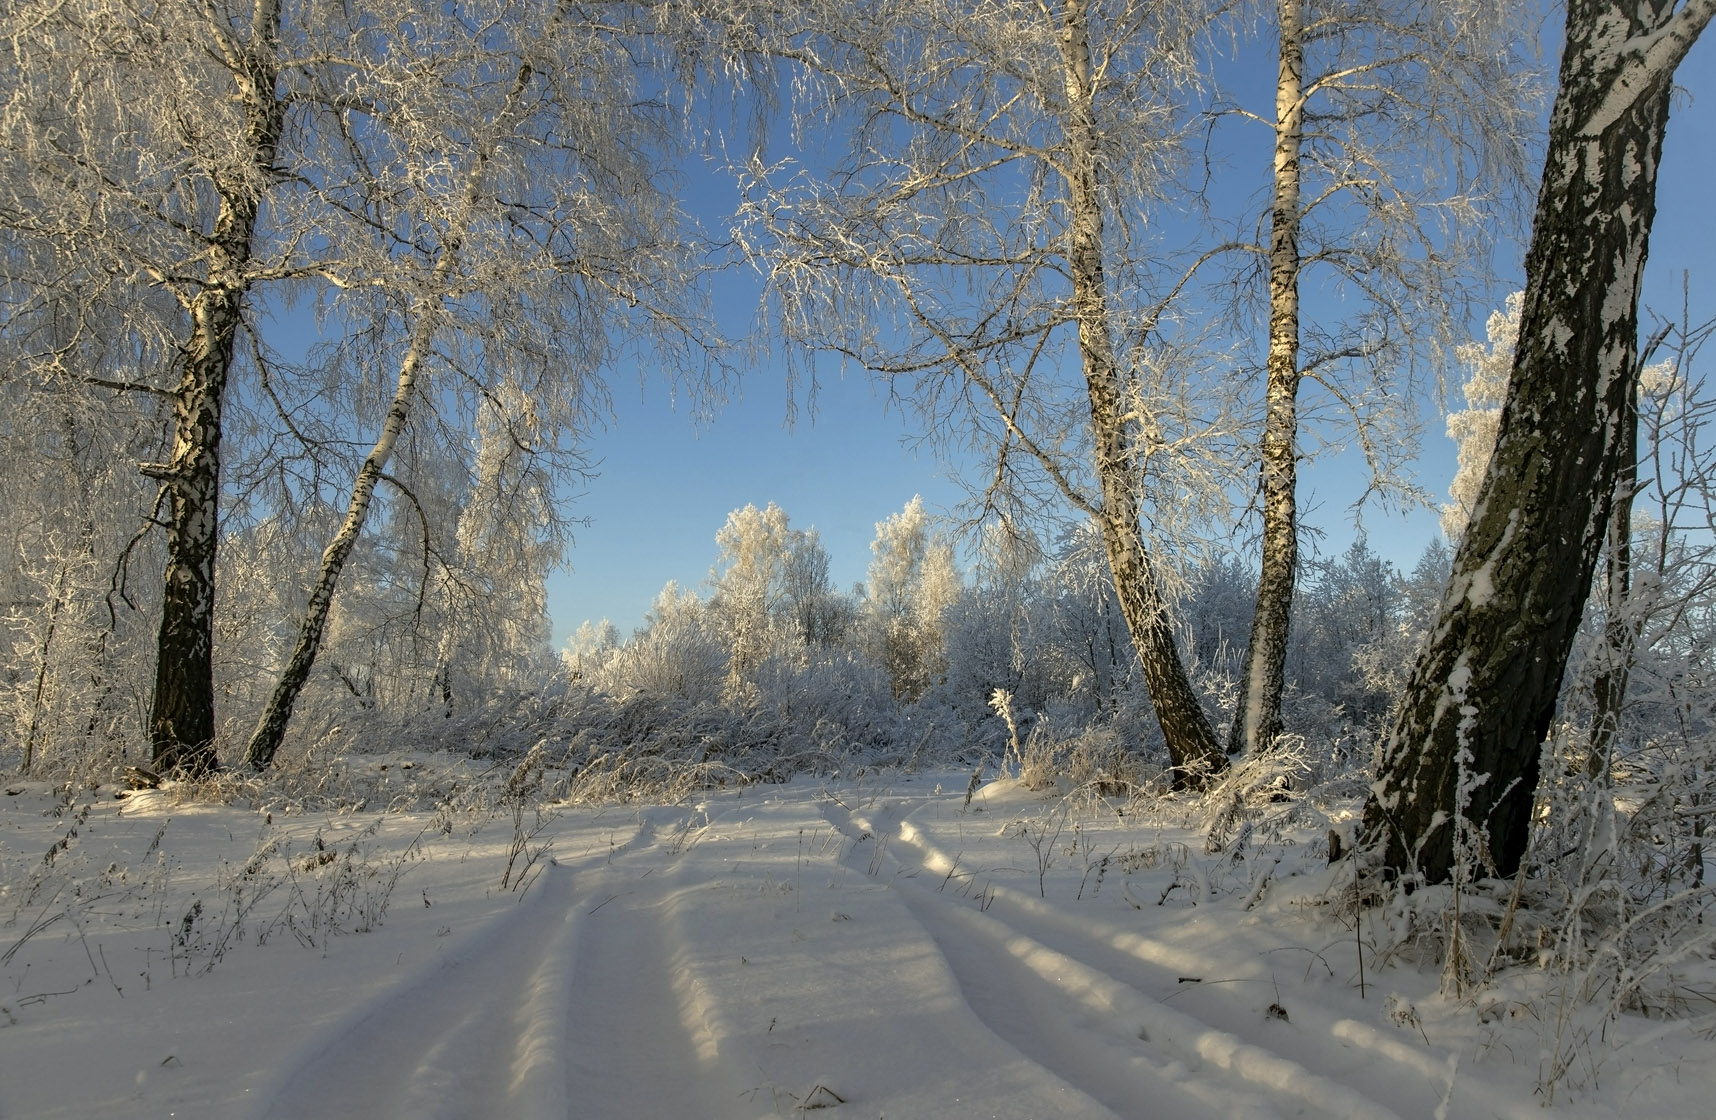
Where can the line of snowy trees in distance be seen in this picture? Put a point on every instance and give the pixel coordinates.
(477, 203)
(1041, 624)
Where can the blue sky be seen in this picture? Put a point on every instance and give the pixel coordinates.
(667, 482)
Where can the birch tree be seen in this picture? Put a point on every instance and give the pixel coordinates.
(976, 243)
(150, 138)
(424, 315)
(517, 232)
(1458, 772)
(507, 537)
(818, 613)
(1398, 142)
(750, 584)
(223, 160)
(913, 583)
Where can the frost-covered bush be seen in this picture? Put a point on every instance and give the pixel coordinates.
(678, 653)
(1355, 631)
(1003, 638)
(77, 621)
(913, 581)
(1213, 617)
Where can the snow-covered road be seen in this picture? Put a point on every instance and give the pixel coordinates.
(876, 952)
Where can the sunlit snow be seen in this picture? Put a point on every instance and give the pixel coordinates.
(876, 947)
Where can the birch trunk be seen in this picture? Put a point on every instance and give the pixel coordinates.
(1257, 715)
(271, 725)
(1621, 626)
(1458, 772)
(1192, 746)
(182, 718)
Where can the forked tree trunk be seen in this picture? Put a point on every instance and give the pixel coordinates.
(1192, 746)
(182, 717)
(1257, 715)
(1458, 772)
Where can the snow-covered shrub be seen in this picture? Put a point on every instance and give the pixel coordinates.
(79, 584)
(1352, 631)
(678, 653)
(913, 582)
(1213, 623)
(1270, 791)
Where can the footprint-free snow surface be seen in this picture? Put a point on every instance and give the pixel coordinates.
(884, 949)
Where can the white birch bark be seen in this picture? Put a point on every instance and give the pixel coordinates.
(988, 206)
(1257, 715)
(1192, 746)
(182, 718)
(271, 726)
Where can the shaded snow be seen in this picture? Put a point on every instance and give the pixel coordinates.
(881, 950)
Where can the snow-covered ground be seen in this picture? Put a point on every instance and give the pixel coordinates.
(876, 948)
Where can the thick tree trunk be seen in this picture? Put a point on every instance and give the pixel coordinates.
(1192, 746)
(1621, 625)
(1459, 768)
(1257, 716)
(182, 720)
(182, 723)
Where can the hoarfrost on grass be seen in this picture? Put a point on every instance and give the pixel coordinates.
(889, 944)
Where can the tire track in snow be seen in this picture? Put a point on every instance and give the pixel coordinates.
(638, 1045)
(1410, 1076)
(1086, 1047)
(550, 1010)
(1383, 1063)
(480, 1036)
(1033, 1014)
(1064, 990)
(834, 983)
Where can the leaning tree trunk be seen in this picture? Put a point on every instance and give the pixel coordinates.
(1621, 622)
(271, 726)
(1458, 772)
(1192, 746)
(1257, 715)
(182, 719)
